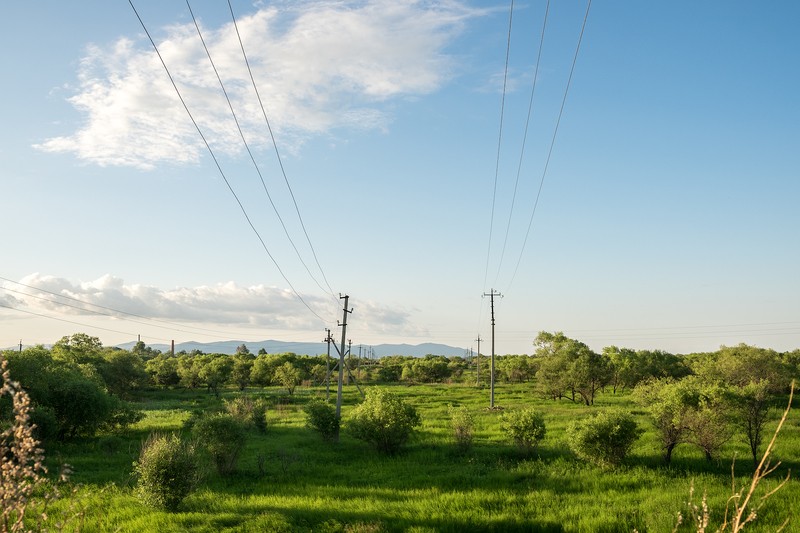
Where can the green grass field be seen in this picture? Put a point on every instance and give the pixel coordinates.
(291, 480)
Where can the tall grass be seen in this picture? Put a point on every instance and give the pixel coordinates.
(290, 480)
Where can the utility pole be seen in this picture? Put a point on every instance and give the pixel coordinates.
(349, 361)
(341, 355)
(492, 294)
(328, 340)
(20, 346)
(478, 364)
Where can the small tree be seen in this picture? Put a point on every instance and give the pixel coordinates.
(223, 437)
(605, 438)
(288, 375)
(462, 424)
(384, 420)
(167, 470)
(525, 427)
(252, 413)
(321, 417)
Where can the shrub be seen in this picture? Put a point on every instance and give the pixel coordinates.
(604, 438)
(383, 420)
(321, 417)
(525, 427)
(462, 423)
(21, 459)
(250, 412)
(223, 437)
(167, 470)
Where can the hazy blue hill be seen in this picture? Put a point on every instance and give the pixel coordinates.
(306, 348)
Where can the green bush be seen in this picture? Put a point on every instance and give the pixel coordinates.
(167, 471)
(604, 438)
(525, 427)
(321, 417)
(223, 437)
(383, 420)
(250, 412)
(462, 424)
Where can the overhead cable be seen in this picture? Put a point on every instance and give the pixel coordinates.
(277, 152)
(552, 141)
(219, 168)
(247, 147)
(524, 138)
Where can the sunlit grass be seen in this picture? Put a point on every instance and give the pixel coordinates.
(310, 485)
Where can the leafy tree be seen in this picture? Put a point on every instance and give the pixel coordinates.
(621, 362)
(321, 417)
(515, 368)
(525, 427)
(163, 370)
(241, 370)
(189, 371)
(78, 348)
(123, 372)
(223, 437)
(589, 370)
(288, 376)
(604, 438)
(215, 371)
(252, 413)
(384, 420)
(242, 350)
(168, 470)
(669, 404)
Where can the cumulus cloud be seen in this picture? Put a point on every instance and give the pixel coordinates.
(223, 304)
(319, 65)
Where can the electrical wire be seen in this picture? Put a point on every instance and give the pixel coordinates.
(552, 141)
(72, 321)
(277, 152)
(219, 168)
(524, 139)
(247, 147)
(174, 326)
(170, 328)
(499, 143)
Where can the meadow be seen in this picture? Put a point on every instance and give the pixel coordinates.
(289, 479)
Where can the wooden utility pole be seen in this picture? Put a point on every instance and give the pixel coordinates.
(478, 364)
(328, 340)
(492, 294)
(341, 355)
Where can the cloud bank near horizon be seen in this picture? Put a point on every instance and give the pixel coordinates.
(319, 66)
(222, 305)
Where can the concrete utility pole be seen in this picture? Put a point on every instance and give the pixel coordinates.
(20, 346)
(328, 340)
(478, 364)
(341, 355)
(492, 294)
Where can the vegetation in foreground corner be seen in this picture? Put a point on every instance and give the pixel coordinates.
(288, 479)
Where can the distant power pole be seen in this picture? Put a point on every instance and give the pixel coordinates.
(492, 294)
(478, 365)
(328, 339)
(341, 356)
(20, 346)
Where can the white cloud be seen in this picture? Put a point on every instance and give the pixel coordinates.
(319, 65)
(220, 305)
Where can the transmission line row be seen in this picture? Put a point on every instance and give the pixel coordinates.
(217, 163)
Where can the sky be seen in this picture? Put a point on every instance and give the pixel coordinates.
(414, 155)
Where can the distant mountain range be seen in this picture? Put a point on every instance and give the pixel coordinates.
(307, 348)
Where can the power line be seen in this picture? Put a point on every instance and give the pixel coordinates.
(247, 147)
(524, 138)
(113, 310)
(499, 142)
(277, 152)
(219, 168)
(71, 321)
(552, 141)
(169, 327)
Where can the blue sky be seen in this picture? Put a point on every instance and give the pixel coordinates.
(667, 219)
